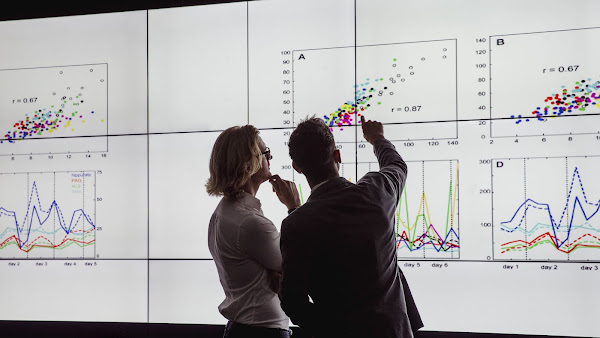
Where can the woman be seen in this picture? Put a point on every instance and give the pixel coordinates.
(242, 241)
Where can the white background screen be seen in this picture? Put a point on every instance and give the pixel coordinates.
(108, 120)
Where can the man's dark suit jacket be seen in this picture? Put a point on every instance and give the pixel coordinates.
(339, 248)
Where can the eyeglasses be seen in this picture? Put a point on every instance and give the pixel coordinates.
(267, 152)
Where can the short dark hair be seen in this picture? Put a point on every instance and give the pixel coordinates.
(312, 145)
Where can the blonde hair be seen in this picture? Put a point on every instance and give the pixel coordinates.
(234, 158)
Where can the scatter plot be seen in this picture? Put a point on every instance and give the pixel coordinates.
(538, 89)
(579, 99)
(392, 83)
(43, 110)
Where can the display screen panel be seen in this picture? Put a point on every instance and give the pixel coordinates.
(108, 122)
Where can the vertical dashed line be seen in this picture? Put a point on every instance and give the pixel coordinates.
(94, 226)
(567, 191)
(21, 243)
(84, 217)
(423, 205)
(525, 199)
(451, 216)
(54, 216)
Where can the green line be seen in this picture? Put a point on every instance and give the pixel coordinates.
(410, 240)
(398, 220)
(449, 204)
(511, 248)
(66, 244)
(586, 226)
(57, 248)
(7, 244)
(414, 225)
(301, 198)
(404, 193)
(415, 228)
(427, 222)
(430, 233)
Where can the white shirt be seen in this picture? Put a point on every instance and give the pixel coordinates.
(317, 186)
(245, 247)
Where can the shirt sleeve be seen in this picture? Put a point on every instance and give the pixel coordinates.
(259, 239)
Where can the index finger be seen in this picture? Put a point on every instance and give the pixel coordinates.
(277, 182)
(362, 119)
(276, 178)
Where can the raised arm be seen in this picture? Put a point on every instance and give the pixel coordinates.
(391, 164)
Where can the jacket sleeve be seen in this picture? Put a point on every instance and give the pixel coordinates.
(392, 170)
(414, 317)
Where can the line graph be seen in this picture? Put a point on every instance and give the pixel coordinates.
(54, 217)
(557, 221)
(426, 221)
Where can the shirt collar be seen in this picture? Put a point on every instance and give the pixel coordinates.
(312, 190)
(250, 201)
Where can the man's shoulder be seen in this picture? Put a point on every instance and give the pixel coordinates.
(297, 216)
(300, 219)
(372, 180)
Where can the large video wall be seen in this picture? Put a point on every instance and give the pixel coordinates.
(107, 122)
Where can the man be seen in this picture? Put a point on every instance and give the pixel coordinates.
(339, 248)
